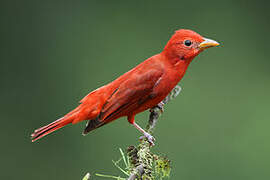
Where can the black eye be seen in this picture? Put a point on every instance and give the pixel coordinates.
(187, 42)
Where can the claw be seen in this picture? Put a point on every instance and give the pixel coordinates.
(149, 138)
(161, 106)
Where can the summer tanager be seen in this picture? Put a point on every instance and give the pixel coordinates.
(141, 88)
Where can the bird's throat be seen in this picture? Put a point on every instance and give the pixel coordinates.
(180, 68)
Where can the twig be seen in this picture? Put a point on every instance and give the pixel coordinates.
(140, 162)
(138, 172)
(142, 158)
(156, 111)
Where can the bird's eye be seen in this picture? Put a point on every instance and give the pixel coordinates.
(187, 42)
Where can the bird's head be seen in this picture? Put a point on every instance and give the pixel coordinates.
(186, 44)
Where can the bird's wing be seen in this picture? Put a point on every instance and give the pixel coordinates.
(133, 92)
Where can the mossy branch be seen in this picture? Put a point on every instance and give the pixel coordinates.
(149, 165)
(140, 162)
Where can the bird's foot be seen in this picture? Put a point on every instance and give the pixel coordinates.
(149, 138)
(160, 106)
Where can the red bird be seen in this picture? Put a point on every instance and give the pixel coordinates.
(141, 88)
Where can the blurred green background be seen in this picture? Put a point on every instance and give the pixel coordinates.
(54, 52)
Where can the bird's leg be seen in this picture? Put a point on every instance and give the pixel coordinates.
(149, 137)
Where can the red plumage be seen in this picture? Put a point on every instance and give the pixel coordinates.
(139, 89)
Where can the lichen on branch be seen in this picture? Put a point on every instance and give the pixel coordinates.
(139, 162)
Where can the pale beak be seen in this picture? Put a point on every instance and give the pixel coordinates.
(207, 43)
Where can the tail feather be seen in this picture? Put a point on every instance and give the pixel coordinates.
(43, 131)
(42, 128)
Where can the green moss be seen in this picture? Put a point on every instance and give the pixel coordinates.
(155, 167)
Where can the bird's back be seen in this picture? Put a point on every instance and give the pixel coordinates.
(95, 102)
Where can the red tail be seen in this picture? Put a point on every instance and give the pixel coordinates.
(43, 131)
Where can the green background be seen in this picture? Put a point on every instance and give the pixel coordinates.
(53, 53)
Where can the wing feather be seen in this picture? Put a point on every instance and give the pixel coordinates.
(131, 94)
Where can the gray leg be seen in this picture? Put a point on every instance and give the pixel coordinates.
(149, 137)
